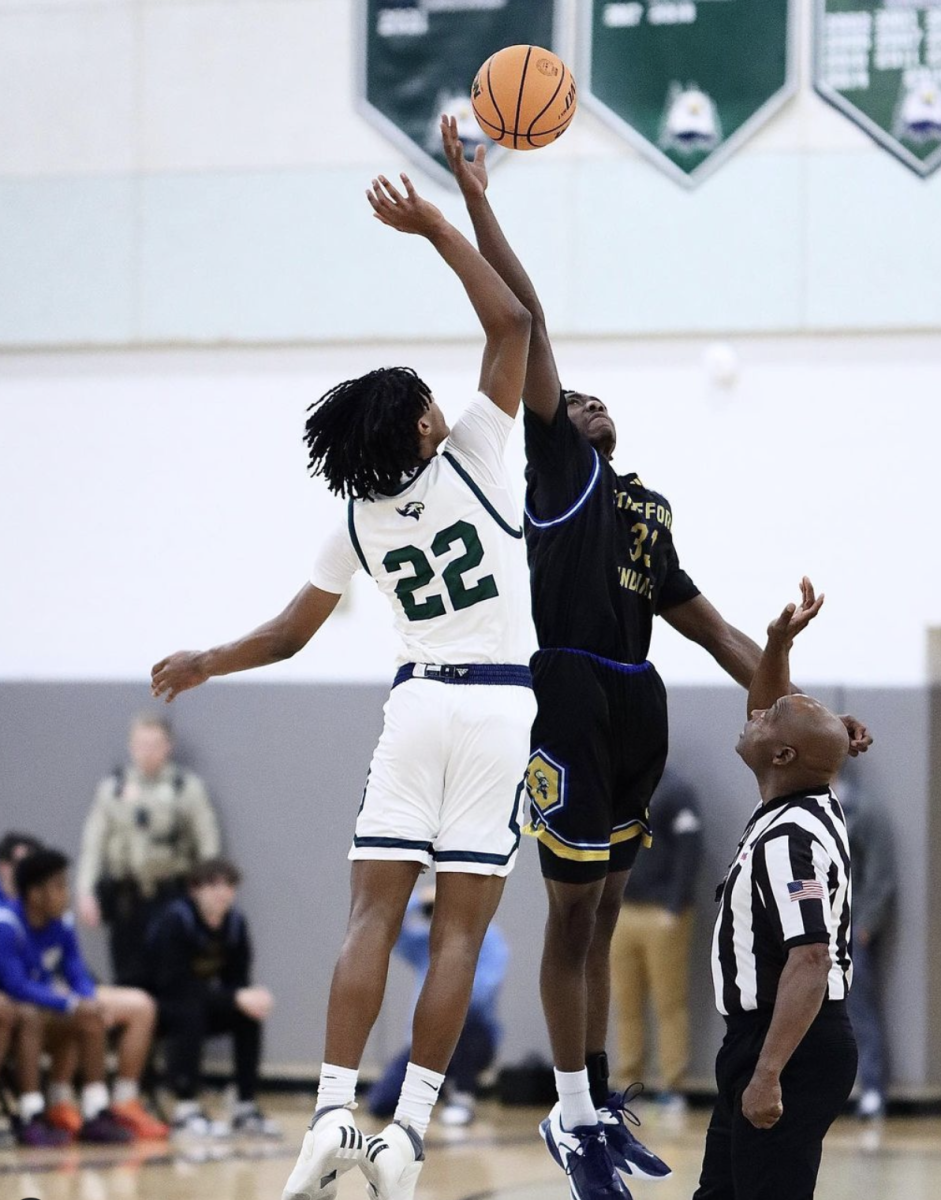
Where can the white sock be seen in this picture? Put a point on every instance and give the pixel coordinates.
(124, 1091)
(61, 1093)
(185, 1109)
(575, 1094)
(337, 1086)
(94, 1100)
(417, 1099)
(31, 1105)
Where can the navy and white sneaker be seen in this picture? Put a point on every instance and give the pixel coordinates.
(582, 1153)
(393, 1162)
(332, 1145)
(627, 1153)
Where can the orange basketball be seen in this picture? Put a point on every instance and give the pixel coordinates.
(524, 97)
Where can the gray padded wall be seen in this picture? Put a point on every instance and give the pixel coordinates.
(285, 765)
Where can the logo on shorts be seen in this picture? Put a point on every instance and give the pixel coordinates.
(545, 783)
(414, 508)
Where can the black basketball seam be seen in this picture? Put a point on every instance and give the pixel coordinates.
(555, 129)
(496, 106)
(519, 98)
(542, 133)
(549, 104)
(484, 121)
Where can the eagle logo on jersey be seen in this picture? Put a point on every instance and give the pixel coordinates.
(414, 508)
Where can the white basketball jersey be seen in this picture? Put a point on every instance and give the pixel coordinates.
(447, 550)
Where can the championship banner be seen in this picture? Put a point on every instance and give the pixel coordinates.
(418, 59)
(688, 81)
(879, 61)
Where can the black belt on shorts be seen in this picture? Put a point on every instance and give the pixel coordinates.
(496, 674)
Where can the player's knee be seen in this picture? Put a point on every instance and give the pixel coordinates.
(572, 919)
(609, 909)
(372, 923)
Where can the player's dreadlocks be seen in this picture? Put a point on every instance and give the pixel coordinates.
(363, 434)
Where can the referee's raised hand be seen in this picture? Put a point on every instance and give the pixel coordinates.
(796, 618)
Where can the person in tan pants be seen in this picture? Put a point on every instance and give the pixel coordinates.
(650, 949)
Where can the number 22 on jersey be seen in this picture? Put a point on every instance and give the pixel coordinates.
(461, 595)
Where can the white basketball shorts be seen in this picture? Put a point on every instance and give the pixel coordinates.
(446, 781)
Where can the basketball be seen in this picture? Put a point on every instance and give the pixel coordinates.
(524, 97)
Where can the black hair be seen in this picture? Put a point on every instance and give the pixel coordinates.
(211, 870)
(363, 434)
(38, 868)
(12, 841)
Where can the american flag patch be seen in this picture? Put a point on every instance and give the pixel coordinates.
(805, 889)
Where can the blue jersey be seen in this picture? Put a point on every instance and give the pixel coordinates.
(42, 966)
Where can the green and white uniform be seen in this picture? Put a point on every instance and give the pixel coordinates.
(447, 550)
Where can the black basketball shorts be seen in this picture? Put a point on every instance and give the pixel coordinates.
(599, 746)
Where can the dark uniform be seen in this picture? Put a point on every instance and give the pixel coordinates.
(788, 885)
(603, 564)
(195, 973)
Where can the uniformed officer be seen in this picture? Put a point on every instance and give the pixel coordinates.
(149, 825)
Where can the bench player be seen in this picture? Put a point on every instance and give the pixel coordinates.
(439, 534)
(603, 564)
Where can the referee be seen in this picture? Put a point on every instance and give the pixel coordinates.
(780, 958)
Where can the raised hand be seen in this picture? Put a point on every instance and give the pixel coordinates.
(177, 673)
(471, 176)
(795, 617)
(409, 213)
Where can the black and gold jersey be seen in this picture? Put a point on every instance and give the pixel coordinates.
(600, 545)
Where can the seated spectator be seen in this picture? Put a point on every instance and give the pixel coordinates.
(41, 969)
(13, 847)
(201, 961)
(480, 1037)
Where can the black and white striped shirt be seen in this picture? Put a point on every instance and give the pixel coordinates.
(788, 885)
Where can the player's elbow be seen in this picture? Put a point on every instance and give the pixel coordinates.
(516, 321)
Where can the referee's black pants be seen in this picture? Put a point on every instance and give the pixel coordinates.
(781, 1163)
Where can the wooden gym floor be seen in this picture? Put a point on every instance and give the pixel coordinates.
(500, 1157)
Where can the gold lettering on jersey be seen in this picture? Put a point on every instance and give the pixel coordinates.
(648, 509)
(634, 581)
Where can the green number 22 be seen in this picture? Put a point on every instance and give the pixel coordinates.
(461, 595)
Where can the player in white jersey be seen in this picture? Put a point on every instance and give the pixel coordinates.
(439, 534)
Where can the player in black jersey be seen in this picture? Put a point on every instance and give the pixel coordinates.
(603, 564)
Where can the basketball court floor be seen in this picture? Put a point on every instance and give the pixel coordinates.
(500, 1157)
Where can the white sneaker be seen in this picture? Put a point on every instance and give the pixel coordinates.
(332, 1145)
(393, 1162)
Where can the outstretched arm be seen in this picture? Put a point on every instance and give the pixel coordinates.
(272, 642)
(541, 389)
(772, 677)
(738, 655)
(505, 321)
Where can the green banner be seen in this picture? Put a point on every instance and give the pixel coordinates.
(880, 63)
(418, 59)
(687, 81)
